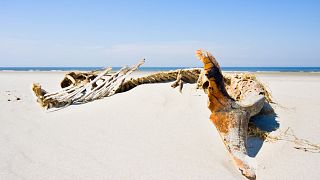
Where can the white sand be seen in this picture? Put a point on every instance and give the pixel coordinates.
(150, 132)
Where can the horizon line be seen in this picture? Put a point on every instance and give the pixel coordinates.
(157, 66)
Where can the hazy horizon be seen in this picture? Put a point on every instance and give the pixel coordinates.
(166, 33)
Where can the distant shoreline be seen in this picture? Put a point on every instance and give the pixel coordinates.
(152, 69)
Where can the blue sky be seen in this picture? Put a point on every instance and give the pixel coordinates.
(166, 33)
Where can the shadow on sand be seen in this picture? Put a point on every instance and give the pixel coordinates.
(264, 121)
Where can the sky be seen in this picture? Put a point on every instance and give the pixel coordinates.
(166, 33)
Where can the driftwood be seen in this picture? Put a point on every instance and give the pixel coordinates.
(85, 89)
(178, 81)
(238, 85)
(75, 78)
(180, 76)
(230, 117)
(233, 97)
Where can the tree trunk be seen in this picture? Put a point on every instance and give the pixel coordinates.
(230, 117)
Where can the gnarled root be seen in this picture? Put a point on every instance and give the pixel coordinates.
(230, 117)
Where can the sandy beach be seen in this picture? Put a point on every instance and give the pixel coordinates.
(149, 132)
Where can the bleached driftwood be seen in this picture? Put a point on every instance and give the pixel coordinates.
(100, 83)
(85, 89)
(230, 117)
(238, 85)
(233, 97)
(75, 78)
(186, 75)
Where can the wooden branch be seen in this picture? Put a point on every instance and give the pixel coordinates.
(84, 89)
(178, 79)
(187, 76)
(180, 86)
(179, 82)
(230, 117)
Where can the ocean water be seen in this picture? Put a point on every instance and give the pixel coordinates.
(242, 69)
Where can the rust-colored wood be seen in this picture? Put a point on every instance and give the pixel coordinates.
(230, 117)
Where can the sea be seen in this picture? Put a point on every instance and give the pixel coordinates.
(232, 69)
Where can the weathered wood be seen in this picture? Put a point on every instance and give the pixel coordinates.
(176, 82)
(75, 78)
(230, 117)
(187, 75)
(179, 81)
(80, 88)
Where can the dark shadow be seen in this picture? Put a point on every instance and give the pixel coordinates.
(254, 144)
(263, 123)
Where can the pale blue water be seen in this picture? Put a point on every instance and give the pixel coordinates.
(248, 69)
